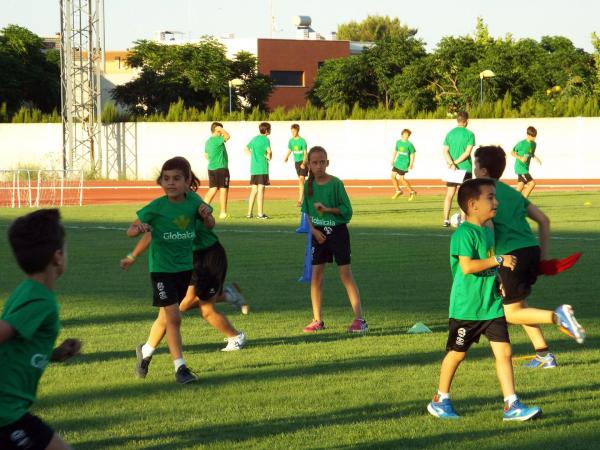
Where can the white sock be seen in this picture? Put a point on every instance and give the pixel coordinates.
(178, 363)
(443, 395)
(147, 351)
(511, 399)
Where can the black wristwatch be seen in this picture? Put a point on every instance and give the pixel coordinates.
(499, 260)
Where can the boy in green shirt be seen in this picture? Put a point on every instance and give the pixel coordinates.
(458, 145)
(523, 153)
(514, 236)
(402, 161)
(297, 146)
(475, 306)
(29, 326)
(259, 149)
(218, 166)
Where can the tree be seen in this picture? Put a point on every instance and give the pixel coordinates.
(374, 28)
(596, 55)
(257, 87)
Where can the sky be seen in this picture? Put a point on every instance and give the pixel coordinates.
(130, 20)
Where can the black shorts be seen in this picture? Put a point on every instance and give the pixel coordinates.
(299, 170)
(524, 178)
(516, 284)
(463, 333)
(27, 433)
(336, 245)
(169, 288)
(468, 176)
(399, 171)
(218, 178)
(210, 269)
(260, 179)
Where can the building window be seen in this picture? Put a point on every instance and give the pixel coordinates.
(287, 78)
(118, 60)
(320, 64)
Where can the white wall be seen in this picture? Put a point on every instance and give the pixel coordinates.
(569, 148)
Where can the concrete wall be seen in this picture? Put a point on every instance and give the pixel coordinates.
(569, 148)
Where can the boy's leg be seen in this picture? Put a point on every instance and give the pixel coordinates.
(528, 188)
(518, 313)
(504, 369)
(450, 364)
(252, 198)
(450, 192)
(173, 324)
(215, 319)
(223, 197)
(58, 444)
(158, 330)
(190, 301)
(301, 180)
(520, 186)
(316, 289)
(210, 194)
(405, 182)
(351, 289)
(397, 188)
(261, 200)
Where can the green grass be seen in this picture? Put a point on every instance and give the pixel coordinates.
(329, 390)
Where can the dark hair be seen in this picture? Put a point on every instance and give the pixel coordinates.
(531, 131)
(35, 237)
(183, 165)
(491, 158)
(264, 128)
(311, 175)
(462, 117)
(295, 126)
(215, 125)
(471, 190)
(406, 130)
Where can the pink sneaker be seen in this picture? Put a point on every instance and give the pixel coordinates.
(315, 325)
(358, 326)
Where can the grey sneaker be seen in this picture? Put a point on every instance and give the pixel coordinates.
(235, 343)
(234, 297)
(141, 366)
(185, 375)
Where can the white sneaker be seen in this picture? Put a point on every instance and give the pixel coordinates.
(234, 297)
(235, 343)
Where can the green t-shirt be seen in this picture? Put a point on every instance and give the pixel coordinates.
(473, 296)
(333, 195)
(511, 229)
(457, 140)
(32, 311)
(259, 164)
(403, 151)
(205, 237)
(173, 231)
(524, 148)
(297, 146)
(217, 153)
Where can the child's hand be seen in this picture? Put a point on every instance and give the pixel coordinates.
(286, 159)
(142, 227)
(320, 207)
(319, 236)
(66, 350)
(510, 261)
(126, 262)
(204, 211)
(303, 166)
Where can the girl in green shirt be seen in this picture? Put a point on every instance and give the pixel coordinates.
(328, 207)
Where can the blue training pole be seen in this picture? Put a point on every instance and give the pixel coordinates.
(304, 227)
(307, 272)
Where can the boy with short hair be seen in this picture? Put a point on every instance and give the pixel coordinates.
(458, 145)
(297, 146)
(259, 149)
(475, 306)
(29, 326)
(218, 170)
(402, 161)
(523, 153)
(514, 236)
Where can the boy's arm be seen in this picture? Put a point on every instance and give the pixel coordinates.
(465, 155)
(538, 160)
(7, 332)
(536, 214)
(412, 160)
(139, 248)
(448, 158)
(394, 157)
(287, 155)
(305, 159)
(247, 151)
(269, 154)
(225, 134)
(469, 265)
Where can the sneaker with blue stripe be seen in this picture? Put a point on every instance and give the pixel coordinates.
(542, 362)
(519, 412)
(442, 409)
(565, 319)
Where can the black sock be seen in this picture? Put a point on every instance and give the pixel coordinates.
(542, 352)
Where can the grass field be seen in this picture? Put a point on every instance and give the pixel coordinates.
(329, 390)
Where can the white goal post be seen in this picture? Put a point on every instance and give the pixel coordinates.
(27, 188)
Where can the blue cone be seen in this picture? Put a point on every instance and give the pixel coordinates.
(304, 226)
(307, 271)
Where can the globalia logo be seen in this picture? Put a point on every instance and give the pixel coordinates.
(177, 236)
(39, 361)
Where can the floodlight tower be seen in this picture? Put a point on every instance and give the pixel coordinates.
(81, 57)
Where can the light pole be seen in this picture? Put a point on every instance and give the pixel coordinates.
(485, 74)
(235, 82)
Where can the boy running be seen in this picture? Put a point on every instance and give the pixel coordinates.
(218, 171)
(475, 306)
(403, 160)
(523, 153)
(259, 149)
(297, 146)
(29, 326)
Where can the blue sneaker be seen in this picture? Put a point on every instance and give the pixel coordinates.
(442, 409)
(519, 412)
(542, 362)
(565, 319)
